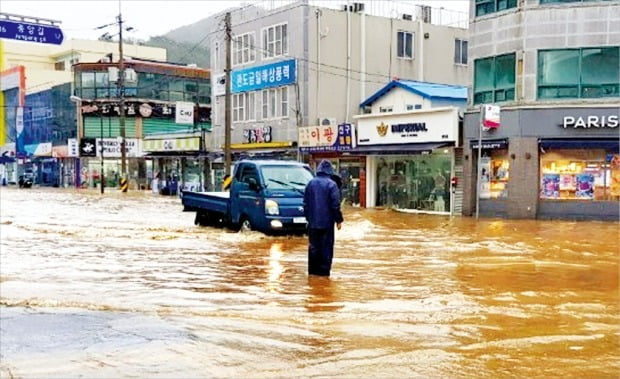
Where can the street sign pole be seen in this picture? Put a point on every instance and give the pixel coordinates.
(479, 163)
(20, 28)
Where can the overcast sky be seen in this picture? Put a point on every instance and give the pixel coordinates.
(148, 17)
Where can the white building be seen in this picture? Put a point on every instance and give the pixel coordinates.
(302, 65)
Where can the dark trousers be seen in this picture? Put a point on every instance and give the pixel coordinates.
(320, 251)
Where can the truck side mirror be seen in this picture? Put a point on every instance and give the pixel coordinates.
(253, 184)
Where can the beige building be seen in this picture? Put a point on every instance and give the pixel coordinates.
(29, 68)
(48, 65)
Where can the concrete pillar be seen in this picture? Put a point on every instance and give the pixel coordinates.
(469, 181)
(524, 178)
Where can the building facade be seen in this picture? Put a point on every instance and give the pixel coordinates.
(38, 124)
(410, 136)
(302, 65)
(553, 68)
(160, 143)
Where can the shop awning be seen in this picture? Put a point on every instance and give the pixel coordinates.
(573, 143)
(174, 154)
(490, 144)
(412, 148)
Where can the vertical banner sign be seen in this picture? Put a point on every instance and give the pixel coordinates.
(19, 130)
(491, 117)
(73, 147)
(184, 113)
(323, 138)
(485, 178)
(2, 121)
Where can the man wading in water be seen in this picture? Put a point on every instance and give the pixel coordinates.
(322, 210)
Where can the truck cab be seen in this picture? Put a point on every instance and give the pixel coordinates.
(268, 195)
(265, 195)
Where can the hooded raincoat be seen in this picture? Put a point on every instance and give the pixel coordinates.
(322, 210)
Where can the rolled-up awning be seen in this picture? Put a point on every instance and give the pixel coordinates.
(612, 144)
(393, 149)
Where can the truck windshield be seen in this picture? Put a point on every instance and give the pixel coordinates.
(286, 177)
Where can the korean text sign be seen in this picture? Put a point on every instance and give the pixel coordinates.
(256, 78)
(25, 31)
(326, 138)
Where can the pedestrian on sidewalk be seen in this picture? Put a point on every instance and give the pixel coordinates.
(322, 210)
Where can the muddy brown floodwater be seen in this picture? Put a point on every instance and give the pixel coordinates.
(124, 285)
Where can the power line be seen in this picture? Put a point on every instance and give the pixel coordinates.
(309, 61)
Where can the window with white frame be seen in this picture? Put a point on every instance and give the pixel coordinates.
(275, 103)
(284, 102)
(385, 109)
(275, 41)
(460, 51)
(243, 49)
(243, 106)
(404, 45)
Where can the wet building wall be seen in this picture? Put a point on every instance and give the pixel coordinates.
(535, 137)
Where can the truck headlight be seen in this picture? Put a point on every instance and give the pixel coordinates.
(272, 208)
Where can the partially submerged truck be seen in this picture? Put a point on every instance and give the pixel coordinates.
(265, 195)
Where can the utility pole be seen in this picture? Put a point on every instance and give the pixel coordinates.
(121, 94)
(227, 113)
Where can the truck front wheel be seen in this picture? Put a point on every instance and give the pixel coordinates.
(245, 225)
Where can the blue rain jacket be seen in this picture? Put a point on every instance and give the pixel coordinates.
(322, 199)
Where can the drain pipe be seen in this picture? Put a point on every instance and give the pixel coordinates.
(363, 56)
(348, 61)
(318, 14)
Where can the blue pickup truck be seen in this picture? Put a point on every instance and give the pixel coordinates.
(264, 195)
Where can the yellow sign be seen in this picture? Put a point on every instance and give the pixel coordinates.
(263, 145)
(615, 175)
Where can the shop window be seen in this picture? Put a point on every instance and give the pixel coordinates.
(579, 73)
(495, 172)
(415, 182)
(494, 79)
(404, 45)
(491, 6)
(580, 175)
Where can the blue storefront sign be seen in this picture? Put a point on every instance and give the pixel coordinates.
(26, 31)
(270, 75)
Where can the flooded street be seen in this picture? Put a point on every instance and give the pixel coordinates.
(124, 285)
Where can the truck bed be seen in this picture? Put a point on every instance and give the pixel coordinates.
(212, 202)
